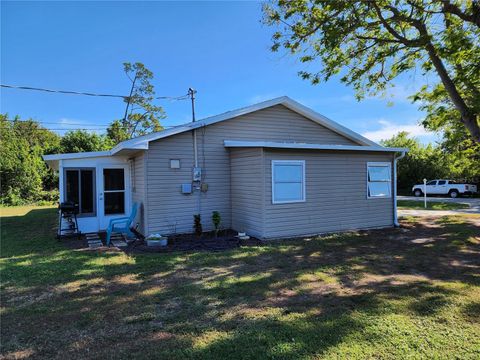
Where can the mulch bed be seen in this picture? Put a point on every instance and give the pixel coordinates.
(225, 240)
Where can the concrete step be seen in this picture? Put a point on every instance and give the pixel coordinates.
(119, 243)
(95, 244)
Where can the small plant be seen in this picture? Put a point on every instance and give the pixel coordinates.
(197, 224)
(216, 219)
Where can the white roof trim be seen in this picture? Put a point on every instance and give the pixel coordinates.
(286, 145)
(141, 142)
(80, 155)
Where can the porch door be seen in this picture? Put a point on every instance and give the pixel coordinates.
(113, 194)
(79, 188)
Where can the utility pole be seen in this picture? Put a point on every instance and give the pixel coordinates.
(192, 93)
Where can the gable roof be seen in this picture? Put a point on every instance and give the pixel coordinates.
(141, 142)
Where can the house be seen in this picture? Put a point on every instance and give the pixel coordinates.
(274, 169)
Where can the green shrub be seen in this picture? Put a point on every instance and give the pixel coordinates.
(216, 219)
(197, 224)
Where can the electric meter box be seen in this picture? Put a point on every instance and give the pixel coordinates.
(197, 174)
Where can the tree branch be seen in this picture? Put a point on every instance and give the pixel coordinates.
(451, 8)
(391, 30)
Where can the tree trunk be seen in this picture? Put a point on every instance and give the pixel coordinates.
(471, 123)
(467, 115)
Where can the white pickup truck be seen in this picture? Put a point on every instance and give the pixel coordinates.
(444, 187)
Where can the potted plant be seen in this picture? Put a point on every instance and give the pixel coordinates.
(156, 240)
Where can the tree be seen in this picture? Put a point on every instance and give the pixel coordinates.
(141, 116)
(24, 177)
(372, 42)
(82, 141)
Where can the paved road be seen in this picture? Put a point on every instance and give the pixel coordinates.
(473, 202)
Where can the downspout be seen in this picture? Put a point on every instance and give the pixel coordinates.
(395, 215)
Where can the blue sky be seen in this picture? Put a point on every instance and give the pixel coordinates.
(219, 48)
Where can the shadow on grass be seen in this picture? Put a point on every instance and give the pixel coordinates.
(284, 300)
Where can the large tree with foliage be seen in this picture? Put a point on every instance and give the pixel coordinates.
(24, 177)
(371, 42)
(83, 141)
(141, 115)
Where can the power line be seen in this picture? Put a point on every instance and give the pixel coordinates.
(181, 97)
(91, 127)
(69, 92)
(60, 91)
(58, 123)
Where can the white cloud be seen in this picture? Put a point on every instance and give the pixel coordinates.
(389, 129)
(262, 97)
(67, 123)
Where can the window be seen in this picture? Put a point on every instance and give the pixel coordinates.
(379, 180)
(432, 182)
(288, 181)
(442, 182)
(114, 189)
(80, 189)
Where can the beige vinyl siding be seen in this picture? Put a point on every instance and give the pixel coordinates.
(336, 195)
(246, 169)
(277, 124)
(170, 211)
(139, 186)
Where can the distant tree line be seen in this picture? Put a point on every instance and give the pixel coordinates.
(447, 160)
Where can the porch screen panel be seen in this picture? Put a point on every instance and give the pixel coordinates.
(80, 189)
(87, 192)
(114, 189)
(72, 186)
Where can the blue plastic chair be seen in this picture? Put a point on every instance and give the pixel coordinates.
(122, 225)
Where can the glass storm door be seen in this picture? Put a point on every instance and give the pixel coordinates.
(113, 191)
(113, 199)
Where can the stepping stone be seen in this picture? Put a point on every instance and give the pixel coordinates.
(95, 243)
(95, 246)
(119, 243)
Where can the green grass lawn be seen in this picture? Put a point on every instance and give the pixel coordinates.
(412, 292)
(431, 205)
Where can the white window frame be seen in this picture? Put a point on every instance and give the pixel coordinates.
(381, 164)
(288, 162)
(124, 190)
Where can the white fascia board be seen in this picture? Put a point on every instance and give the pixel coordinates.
(142, 141)
(80, 155)
(286, 145)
